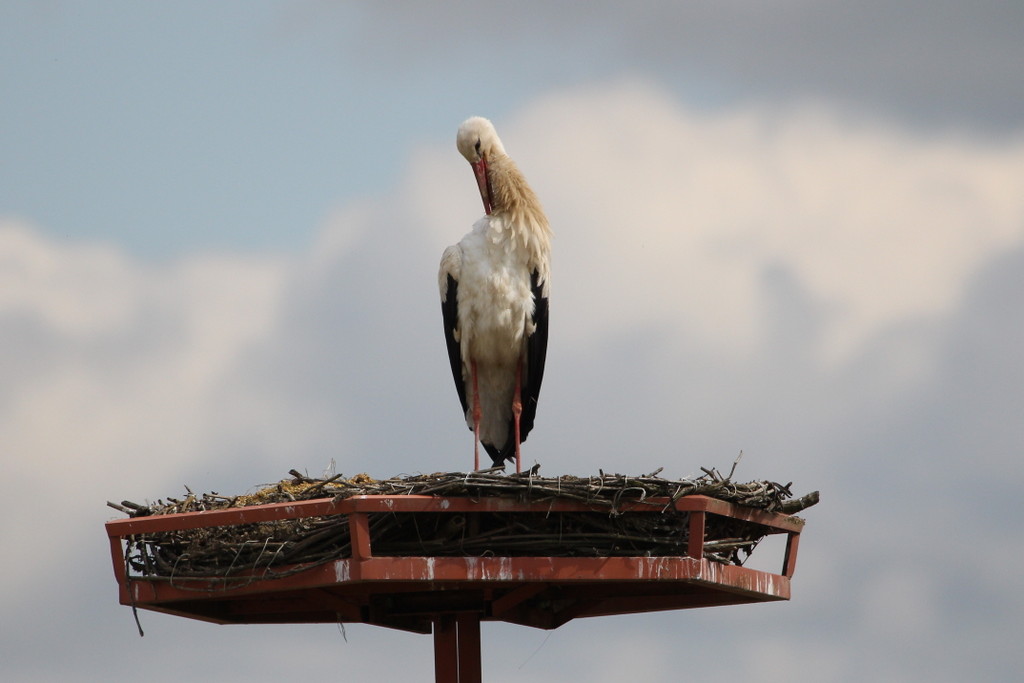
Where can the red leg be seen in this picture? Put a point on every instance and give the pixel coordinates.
(517, 410)
(476, 417)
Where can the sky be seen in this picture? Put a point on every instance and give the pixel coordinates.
(790, 228)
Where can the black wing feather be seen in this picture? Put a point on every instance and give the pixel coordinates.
(450, 315)
(536, 353)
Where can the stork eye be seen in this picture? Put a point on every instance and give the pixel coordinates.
(477, 145)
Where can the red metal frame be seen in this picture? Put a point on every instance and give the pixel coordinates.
(451, 595)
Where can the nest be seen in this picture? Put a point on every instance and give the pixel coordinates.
(285, 546)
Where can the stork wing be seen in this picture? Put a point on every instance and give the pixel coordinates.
(536, 352)
(451, 264)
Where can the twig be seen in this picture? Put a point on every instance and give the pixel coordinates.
(734, 463)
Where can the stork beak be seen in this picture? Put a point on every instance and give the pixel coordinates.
(482, 182)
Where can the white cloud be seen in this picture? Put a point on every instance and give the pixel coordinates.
(80, 292)
(114, 376)
(124, 354)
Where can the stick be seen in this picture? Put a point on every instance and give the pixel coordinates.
(802, 503)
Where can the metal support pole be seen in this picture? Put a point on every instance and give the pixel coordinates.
(789, 563)
(446, 650)
(695, 544)
(457, 648)
(470, 669)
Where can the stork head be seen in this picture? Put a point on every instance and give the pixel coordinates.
(478, 142)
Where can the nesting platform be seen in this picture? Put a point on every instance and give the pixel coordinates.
(423, 587)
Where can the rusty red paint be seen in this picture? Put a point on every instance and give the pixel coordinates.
(359, 532)
(695, 543)
(410, 592)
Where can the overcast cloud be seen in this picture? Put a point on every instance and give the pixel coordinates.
(749, 254)
(942, 62)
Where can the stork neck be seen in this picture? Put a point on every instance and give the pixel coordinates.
(517, 219)
(511, 195)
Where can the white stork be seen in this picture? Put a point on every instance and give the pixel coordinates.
(494, 300)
